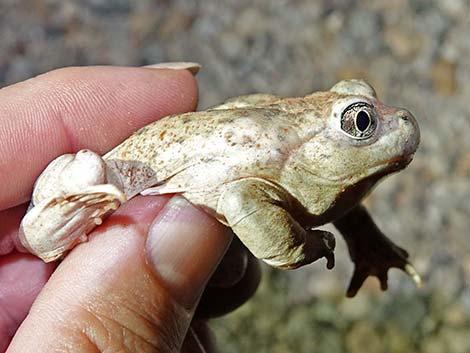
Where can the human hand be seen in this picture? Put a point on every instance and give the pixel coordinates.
(135, 285)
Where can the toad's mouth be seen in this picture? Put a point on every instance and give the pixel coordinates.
(390, 166)
(398, 163)
(375, 171)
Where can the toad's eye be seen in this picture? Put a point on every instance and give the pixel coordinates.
(359, 120)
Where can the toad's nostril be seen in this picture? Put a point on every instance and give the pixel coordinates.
(405, 115)
(409, 124)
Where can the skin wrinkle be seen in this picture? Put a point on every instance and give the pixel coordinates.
(82, 99)
(13, 147)
(147, 322)
(154, 304)
(71, 107)
(92, 345)
(148, 98)
(78, 98)
(92, 330)
(35, 114)
(120, 332)
(121, 304)
(70, 139)
(166, 329)
(79, 341)
(36, 119)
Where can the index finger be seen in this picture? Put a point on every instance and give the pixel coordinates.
(69, 109)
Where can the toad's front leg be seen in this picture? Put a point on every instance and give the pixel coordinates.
(371, 251)
(258, 212)
(70, 198)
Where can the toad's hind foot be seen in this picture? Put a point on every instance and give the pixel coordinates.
(371, 251)
(378, 266)
(56, 224)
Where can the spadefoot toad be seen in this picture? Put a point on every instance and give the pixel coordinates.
(273, 169)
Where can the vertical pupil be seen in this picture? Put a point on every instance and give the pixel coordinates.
(362, 121)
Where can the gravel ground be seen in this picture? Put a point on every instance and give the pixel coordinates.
(415, 53)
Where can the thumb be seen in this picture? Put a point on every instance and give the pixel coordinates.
(133, 287)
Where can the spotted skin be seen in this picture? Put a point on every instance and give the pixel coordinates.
(271, 168)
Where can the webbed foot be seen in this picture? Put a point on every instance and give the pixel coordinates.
(375, 259)
(57, 224)
(371, 251)
(70, 197)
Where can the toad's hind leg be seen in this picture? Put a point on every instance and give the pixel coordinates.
(257, 211)
(70, 198)
(371, 251)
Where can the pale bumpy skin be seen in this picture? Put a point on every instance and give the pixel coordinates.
(271, 168)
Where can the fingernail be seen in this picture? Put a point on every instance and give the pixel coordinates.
(190, 66)
(184, 246)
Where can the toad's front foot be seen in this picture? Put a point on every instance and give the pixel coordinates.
(320, 243)
(317, 244)
(57, 224)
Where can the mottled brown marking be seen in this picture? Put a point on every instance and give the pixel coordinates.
(247, 139)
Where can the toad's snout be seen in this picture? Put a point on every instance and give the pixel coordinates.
(410, 127)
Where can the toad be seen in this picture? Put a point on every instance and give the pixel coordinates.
(273, 169)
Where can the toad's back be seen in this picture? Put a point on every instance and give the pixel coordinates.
(197, 152)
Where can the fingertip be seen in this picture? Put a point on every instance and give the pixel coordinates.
(182, 81)
(192, 67)
(100, 99)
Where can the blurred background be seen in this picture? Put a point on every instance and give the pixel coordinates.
(416, 54)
